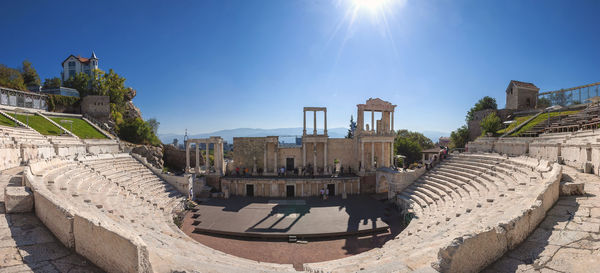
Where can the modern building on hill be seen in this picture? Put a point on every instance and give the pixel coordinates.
(63, 91)
(77, 64)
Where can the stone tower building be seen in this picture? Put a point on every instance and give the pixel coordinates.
(521, 95)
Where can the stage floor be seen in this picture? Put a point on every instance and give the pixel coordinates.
(280, 218)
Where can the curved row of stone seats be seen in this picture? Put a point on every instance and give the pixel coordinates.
(67, 145)
(101, 146)
(127, 172)
(468, 211)
(118, 230)
(10, 154)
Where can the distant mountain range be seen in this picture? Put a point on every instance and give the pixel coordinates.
(229, 134)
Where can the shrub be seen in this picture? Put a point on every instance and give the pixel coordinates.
(137, 131)
(490, 124)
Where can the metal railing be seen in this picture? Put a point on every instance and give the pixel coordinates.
(569, 96)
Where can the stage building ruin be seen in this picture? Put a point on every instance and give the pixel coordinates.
(342, 165)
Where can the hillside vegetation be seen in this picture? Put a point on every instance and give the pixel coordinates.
(80, 128)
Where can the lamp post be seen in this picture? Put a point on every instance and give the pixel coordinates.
(67, 121)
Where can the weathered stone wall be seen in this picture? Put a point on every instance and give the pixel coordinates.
(174, 158)
(97, 107)
(276, 187)
(343, 149)
(246, 148)
(473, 252)
(102, 148)
(290, 152)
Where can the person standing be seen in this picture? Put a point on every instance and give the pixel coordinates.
(326, 193)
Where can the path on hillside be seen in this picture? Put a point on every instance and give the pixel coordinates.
(568, 240)
(26, 245)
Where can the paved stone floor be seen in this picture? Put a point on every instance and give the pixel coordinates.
(316, 250)
(272, 217)
(26, 245)
(568, 240)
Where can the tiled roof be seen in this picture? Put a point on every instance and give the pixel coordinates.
(524, 84)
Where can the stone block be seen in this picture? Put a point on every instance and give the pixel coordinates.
(18, 199)
(109, 246)
(572, 188)
(56, 216)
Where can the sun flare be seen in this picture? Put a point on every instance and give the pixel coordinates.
(372, 6)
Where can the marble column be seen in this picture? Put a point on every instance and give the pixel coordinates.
(372, 120)
(197, 169)
(207, 160)
(392, 125)
(362, 156)
(314, 122)
(325, 159)
(275, 150)
(187, 157)
(392, 154)
(325, 115)
(304, 130)
(303, 154)
(314, 158)
(382, 157)
(372, 155)
(265, 169)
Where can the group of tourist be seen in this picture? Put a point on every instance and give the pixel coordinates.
(324, 193)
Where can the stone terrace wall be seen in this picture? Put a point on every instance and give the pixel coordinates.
(512, 146)
(99, 240)
(580, 150)
(473, 252)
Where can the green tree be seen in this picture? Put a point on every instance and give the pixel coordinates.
(408, 148)
(81, 82)
(351, 128)
(29, 74)
(11, 78)
(52, 83)
(560, 98)
(490, 124)
(460, 137)
(423, 141)
(543, 103)
(137, 131)
(484, 103)
(154, 124)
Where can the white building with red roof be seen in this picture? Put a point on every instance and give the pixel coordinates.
(77, 64)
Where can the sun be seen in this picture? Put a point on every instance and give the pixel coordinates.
(372, 6)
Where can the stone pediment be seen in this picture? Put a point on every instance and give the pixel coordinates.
(377, 104)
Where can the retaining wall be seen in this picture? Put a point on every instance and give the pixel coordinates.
(93, 236)
(473, 252)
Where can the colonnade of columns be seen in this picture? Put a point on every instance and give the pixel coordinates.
(315, 110)
(315, 144)
(381, 160)
(217, 155)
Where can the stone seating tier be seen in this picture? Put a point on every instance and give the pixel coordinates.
(461, 199)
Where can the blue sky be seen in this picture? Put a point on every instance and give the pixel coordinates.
(211, 65)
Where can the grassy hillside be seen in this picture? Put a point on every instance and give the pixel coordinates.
(81, 128)
(513, 125)
(39, 124)
(541, 118)
(6, 121)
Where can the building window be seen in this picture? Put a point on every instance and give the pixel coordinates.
(72, 73)
(71, 64)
